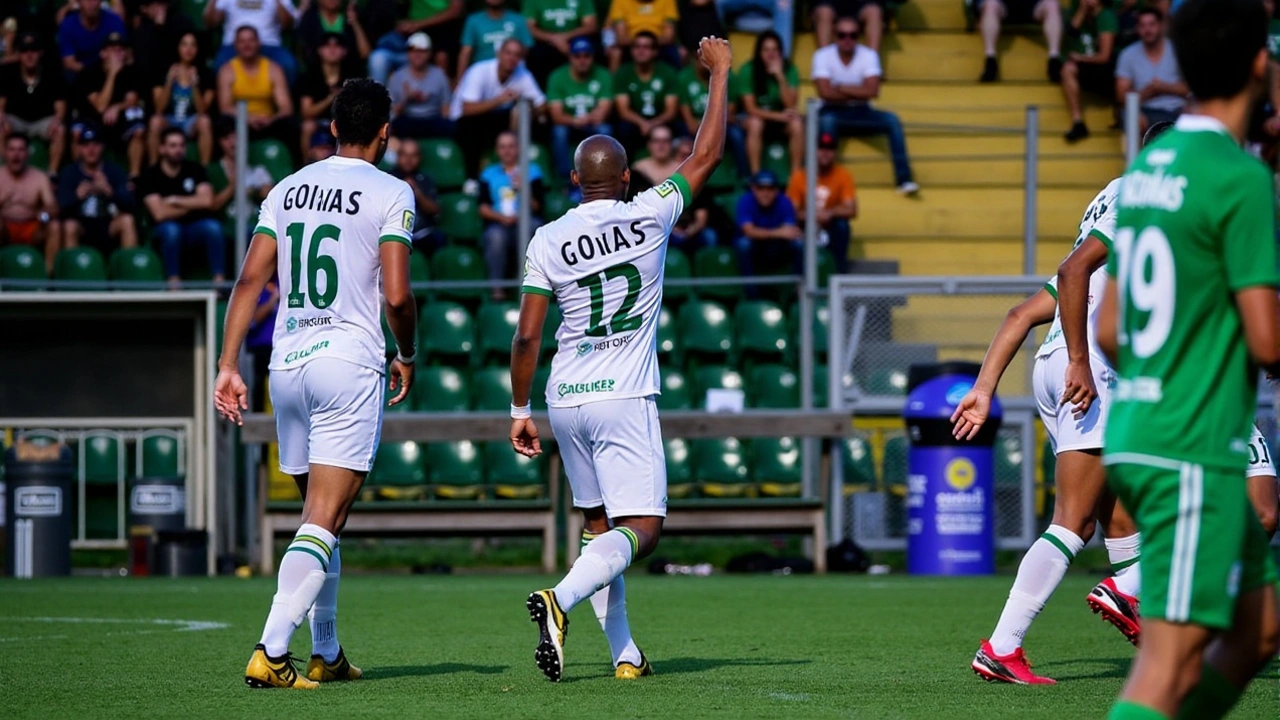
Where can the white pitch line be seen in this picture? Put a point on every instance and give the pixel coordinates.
(179, 625)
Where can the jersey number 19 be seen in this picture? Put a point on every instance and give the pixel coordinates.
(316, 264)
(1147, 281)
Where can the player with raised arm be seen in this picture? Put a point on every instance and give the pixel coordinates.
(603, 264)
(1189, 313)
(337, 234)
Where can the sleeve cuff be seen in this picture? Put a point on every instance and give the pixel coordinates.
(686, 193)
(396, 238)
(265, 231)
(534, 290)
(1102, 238)
(1049, 288)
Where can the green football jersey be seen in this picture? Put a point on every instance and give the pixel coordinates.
(579, 97)
(1196, 224)
(648, 97)
(558, 16)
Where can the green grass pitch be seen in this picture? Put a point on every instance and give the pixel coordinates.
(462, 647)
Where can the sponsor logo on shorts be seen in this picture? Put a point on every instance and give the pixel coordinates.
(296, 323)
(300, 354)
(594, 386)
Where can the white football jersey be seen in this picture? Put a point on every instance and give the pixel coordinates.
(328, 220)
(603, 262)
(1099, 221)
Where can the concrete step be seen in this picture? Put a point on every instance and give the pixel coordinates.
(934, 255)
(974, 213)
(1055, 171)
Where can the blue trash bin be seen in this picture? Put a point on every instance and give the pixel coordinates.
(951, 494)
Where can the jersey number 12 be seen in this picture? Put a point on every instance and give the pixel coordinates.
(317, 264)
(621, 321)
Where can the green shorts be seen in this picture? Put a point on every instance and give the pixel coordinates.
(1202, 544)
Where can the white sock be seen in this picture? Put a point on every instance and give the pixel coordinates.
(324, 614)
(302, 575)
(610, 604)
(1039, 574)
(602, 560)
(1124, 554)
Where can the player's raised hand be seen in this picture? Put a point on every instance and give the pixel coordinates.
(1078, 388)
(970, 414)
(401, 379)
(230, 395)
(524, 437)
(715, 53)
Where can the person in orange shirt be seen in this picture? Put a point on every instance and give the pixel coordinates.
(837, 199)
(628, 18)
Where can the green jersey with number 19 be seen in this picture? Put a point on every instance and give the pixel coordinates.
(328, 220)
(1196, 225)
(603, 262)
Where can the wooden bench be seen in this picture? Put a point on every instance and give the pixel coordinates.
(801, 516)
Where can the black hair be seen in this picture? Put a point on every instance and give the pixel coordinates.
(360, 111)
(759, 75)
(1216, 43)
(223, 125)
(171, 130)
(1153, 11)
(250, 28)
(18, 136)
(198, 60)
(647, 34)
(1156, 130)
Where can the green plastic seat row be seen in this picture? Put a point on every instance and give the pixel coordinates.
(440, 388)
(463, 463)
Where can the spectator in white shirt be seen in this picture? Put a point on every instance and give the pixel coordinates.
(847, 76)
(268, 17)
(486, 98)
(1149, 68)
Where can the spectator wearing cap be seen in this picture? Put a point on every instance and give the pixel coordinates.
(179, 199)
(28, 210)
(500, 207)
(184, 99)
(1150, 68)
(769, 86)
(31, 100)
(222, 177)
(441, 18)
(869, 14)
(770, 238)
(693, 87)
(486, 96)
(111, 93)
(847, 76)
(83, 32)
(485, 33)
(408, 168)
(644, 93)
(260, 84)
(332, 17)
(267, 17)
(420, 95)
(156, 36)
(1090, 66)
(320, 85)
(631, 19)
(579, 100)
(555, 25)
(836, 197)
(94, 200)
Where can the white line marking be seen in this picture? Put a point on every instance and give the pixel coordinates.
(177, 625)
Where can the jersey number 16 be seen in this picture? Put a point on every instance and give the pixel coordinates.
(316, 264)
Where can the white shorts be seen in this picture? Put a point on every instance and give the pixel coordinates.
(1066, 430)
(612, 452)
(1260, 464)
(328, 412)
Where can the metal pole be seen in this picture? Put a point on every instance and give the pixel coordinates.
(1131, 139)
(524, 120)
(1029, 183)
(241, 191)
(1028, 432)
(810, 447)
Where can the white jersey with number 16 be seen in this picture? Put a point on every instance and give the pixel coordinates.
(603, 263)
(328, 220)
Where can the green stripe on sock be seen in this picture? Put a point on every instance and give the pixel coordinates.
(1117, 567)
(631, 538)
(588, 537)
(1058, 544)
(328, 551)
(324, 564)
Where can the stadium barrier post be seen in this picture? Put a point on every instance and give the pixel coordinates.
(809, 446)
(242, 172)
(1029, 180)
(523, 118)
(1131, 139)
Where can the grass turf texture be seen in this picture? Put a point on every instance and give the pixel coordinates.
(462, 647)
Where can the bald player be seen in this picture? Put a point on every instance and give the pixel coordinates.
(603, 263)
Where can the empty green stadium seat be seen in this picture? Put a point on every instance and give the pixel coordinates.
(102, 457)
(775, 466)
(513, 476)
(39, 155)
(777, 160)
(137, 264)
(821, 386)
(706, 329)
(894, 467)
(20, 262)
(442, 162)
(728, 204)
(821, 327)
(556, 205)
(495, 327)
(761, 330)
(455, 469)
(443, 389)
(160, 456)
(826, 267)
(1008, 457)
(713, 377)
(886, 381)
(459, 220)
(675, 391)
(679, 467)
(538, 392)
(666, 334)
(718, 262)
(726, 176)
(409, 404)
(773, 386)
(491, 389)
(399, 472)
(549, 328)
(721, 468)
(272, 155)
(678, 267)
(859, 466)
(81, 264)
(419, 271)
(458, 262)
(446, 331)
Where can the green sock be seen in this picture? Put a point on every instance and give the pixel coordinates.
(1213, 697)
(1126, 710)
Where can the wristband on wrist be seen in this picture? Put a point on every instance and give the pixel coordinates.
(521, 412)
(407, 360)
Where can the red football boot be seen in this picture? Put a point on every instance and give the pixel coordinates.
(1117, 608)
(1012, 668)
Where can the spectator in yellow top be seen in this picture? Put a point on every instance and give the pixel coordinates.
(260, 83)
(628, 18)
(836, 196)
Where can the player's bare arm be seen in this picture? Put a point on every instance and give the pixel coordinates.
(524, 360)
(1107, 329)
(972, 411)
(708, 145)
(1259, 314)
(1073, 302)
(402, 316)
(230, 394)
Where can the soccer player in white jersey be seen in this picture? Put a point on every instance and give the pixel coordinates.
(337, 234)
(603, 264)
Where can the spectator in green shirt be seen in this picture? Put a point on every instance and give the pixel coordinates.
(1091, 38)
(441, 19)
(693, 87)
(770, 90)
(579, 99)
(645, 93)
(555, 25)
(485, 31)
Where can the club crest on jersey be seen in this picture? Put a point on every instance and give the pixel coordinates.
(666, 188)
(408, 220)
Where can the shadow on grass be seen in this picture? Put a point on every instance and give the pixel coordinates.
(575, 672)
(397, 671)
(1115, 668)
